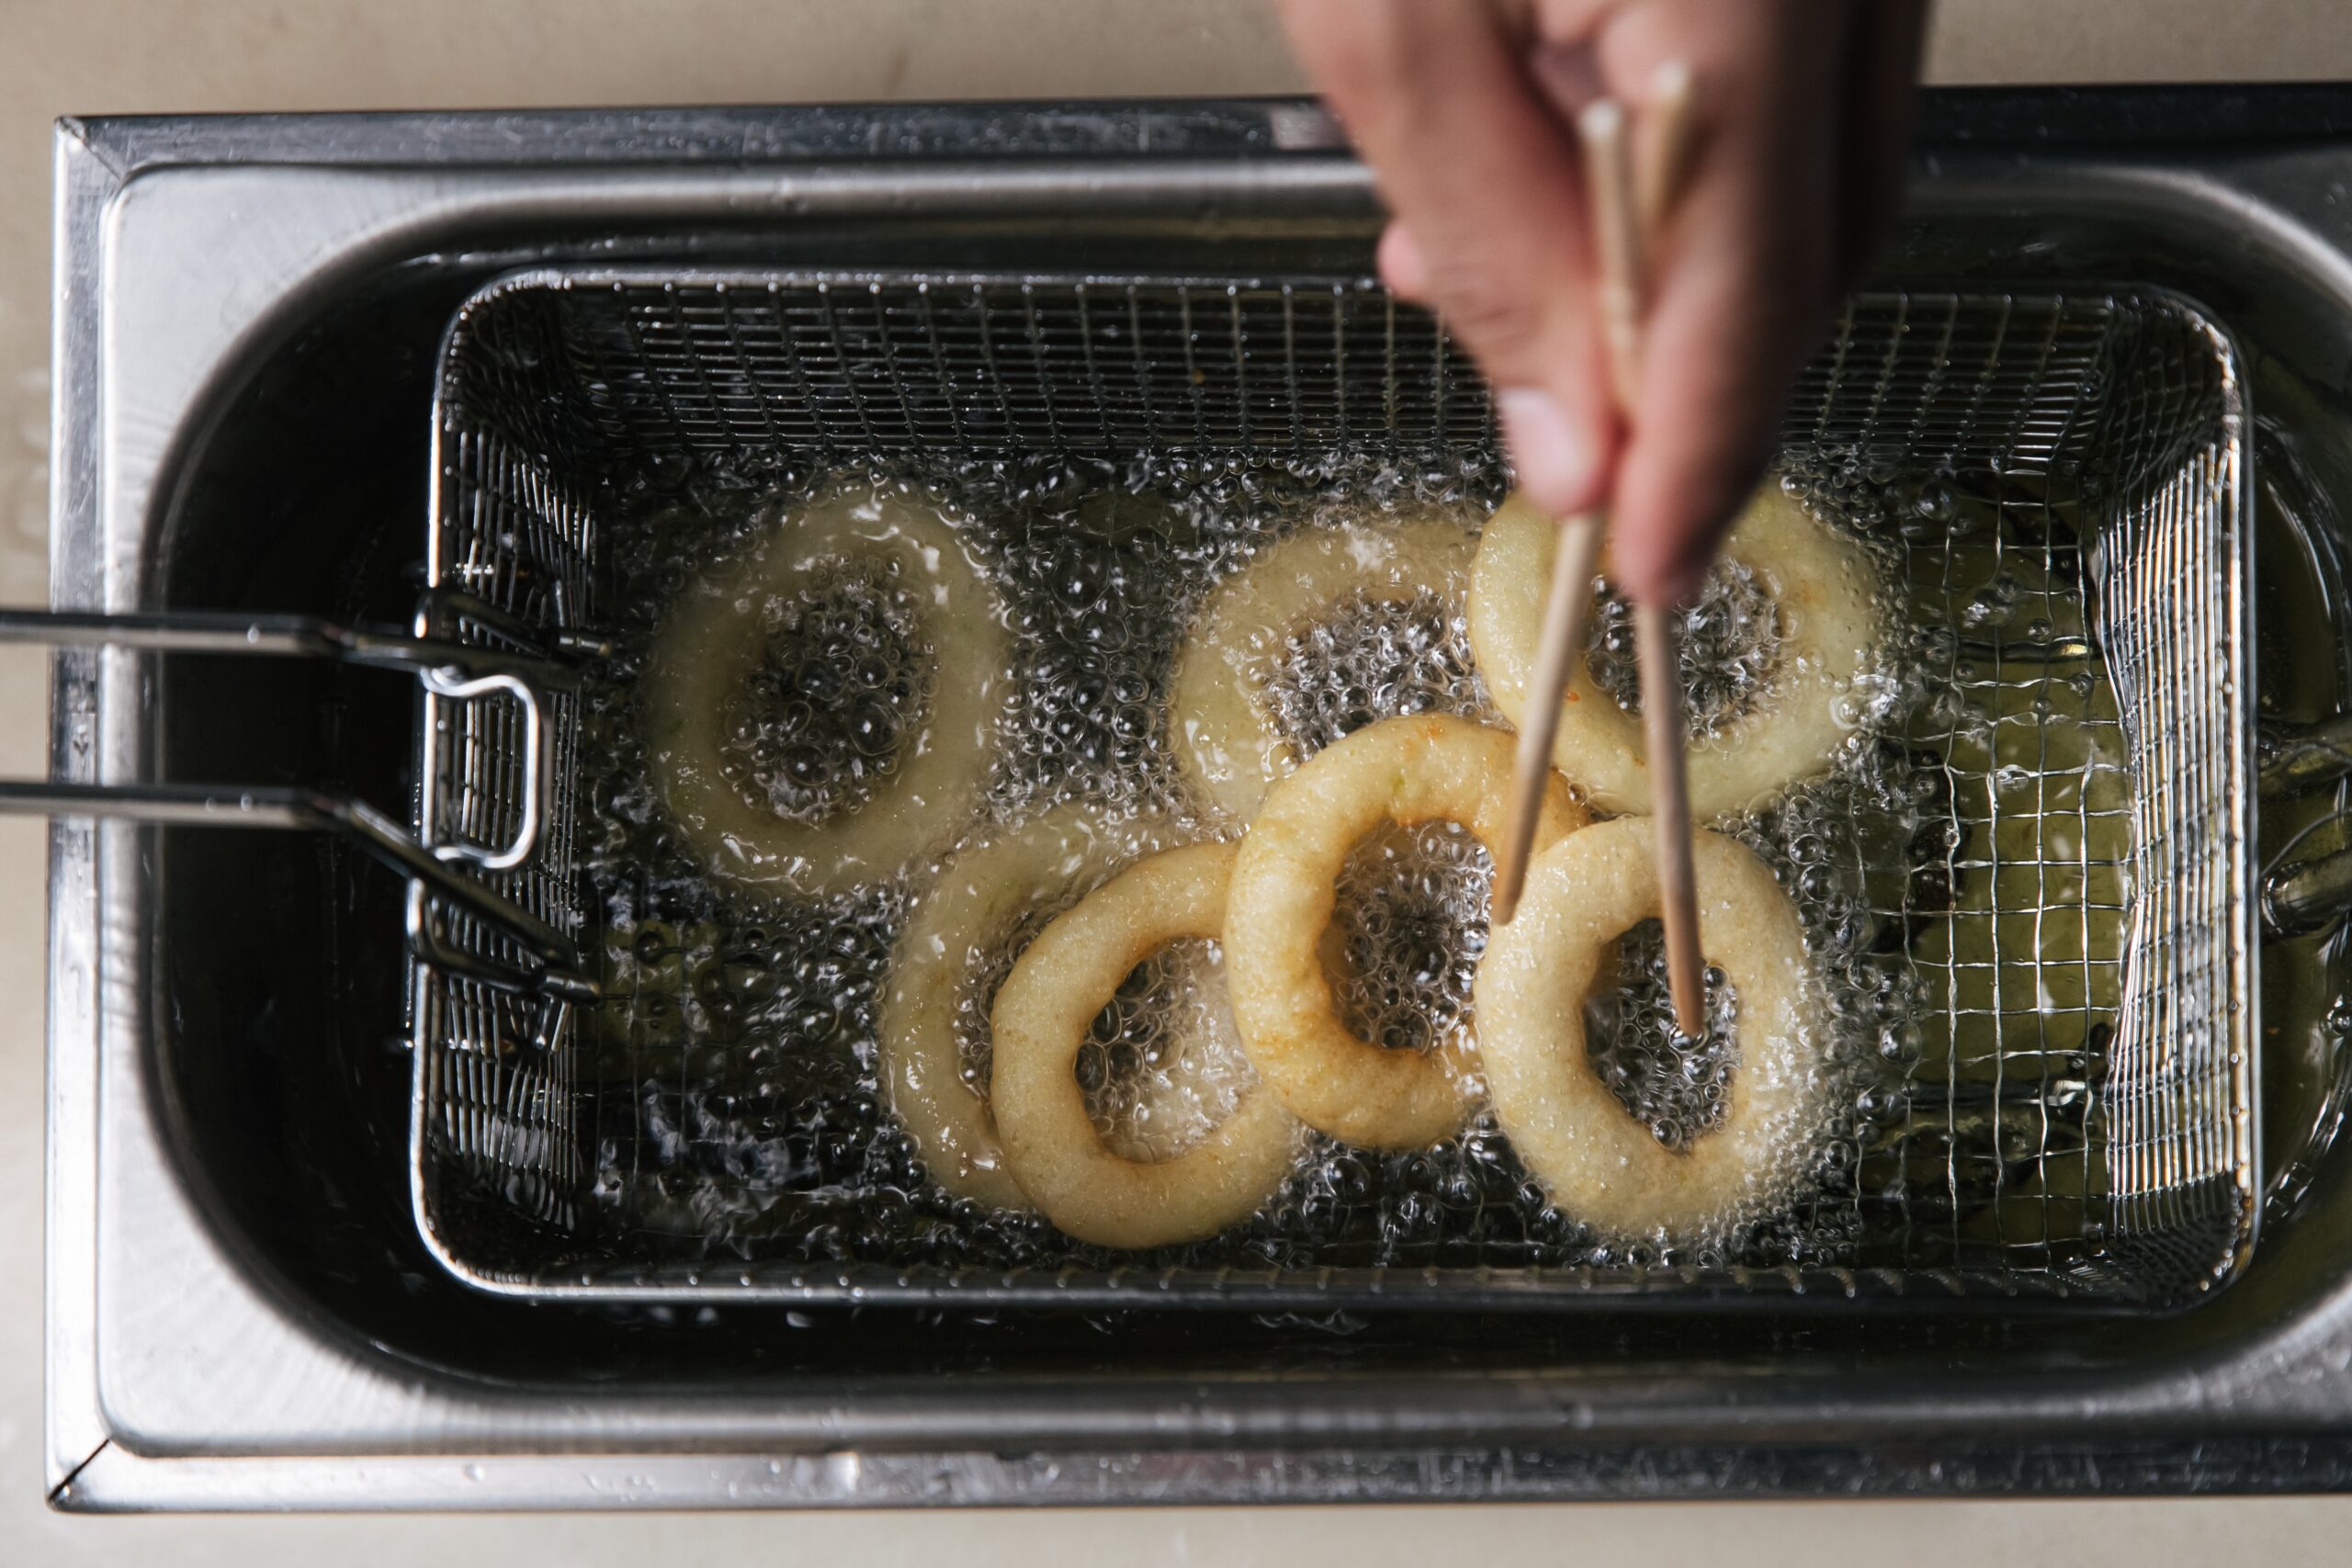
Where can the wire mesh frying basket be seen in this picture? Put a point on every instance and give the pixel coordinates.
(2085, 1127)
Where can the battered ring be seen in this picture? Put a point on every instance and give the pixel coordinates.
(1407, 770)
(712, 640)
(1598, 1160)
(1061, 982)
(1824, 587)
(977, 901)
(1221, 726)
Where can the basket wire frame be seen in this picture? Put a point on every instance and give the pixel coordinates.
(2100, 434)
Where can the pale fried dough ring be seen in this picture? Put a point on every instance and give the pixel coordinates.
(977, 902)
(1219, 719)
(1825, 590)
(1062, 981)
(1599, 1161)
(712, 640)
(1407, 770)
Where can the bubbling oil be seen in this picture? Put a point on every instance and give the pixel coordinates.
(819, 725)
(1670, 1082)
(1728, 646)
(1408, 925)
(1163, 1064)
(732, 1072)
(1377, 659)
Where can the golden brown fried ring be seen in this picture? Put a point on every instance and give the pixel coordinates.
(1825, 588)
(1408, 771)
(1063, 980)
(1601, 1164)
(973, 909)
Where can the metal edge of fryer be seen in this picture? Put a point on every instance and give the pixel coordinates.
(2269, 1412)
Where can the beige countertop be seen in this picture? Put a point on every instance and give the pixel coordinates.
(115, 56)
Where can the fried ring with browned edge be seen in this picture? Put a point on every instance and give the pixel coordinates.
(1062, 981)
(1599, 1161)
(1424, 768)
(1825, 590)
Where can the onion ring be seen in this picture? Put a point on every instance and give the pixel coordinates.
(713, 640)
(1061, 982)
(1407, 770)
(1598, 1160)
(1825, 588)
(1220, 722)
(977, 904)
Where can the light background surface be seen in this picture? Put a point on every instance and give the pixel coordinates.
(130, 56)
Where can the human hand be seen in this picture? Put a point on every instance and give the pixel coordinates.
(1466, 109)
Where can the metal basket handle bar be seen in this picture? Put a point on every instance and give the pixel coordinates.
(206, 806)
(291, 637)
(437, 607)
(448, 669)
(532, 789)
(453, 669)
(2305, 895)
(428, 940)
(2290, 758)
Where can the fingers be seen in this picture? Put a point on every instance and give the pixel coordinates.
(1715, 374)
(1797, 146)
(1736, 309)
(1485, 178)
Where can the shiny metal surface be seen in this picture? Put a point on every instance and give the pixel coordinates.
(288, 637)
(189, 1367)
(461, 675)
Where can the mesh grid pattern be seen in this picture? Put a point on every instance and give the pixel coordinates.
(496, 1088)
(879, 365)
(2091, 442)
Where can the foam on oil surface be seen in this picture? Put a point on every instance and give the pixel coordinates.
(1379, 660)
(731, 1075)
(844, 677)
(1163, 1064)
(1730, 644)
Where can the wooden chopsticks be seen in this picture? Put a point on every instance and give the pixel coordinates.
(1615, 218)
(1627, 210)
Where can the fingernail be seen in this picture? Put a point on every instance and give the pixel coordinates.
(1402, 266)
(1553, 456)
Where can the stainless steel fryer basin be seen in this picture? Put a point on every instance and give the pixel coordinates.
(241, 1309)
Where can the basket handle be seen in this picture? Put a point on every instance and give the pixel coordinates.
(555, 956)
(283, 636)
(2301, 896)
(442, 682)
(449, 668)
